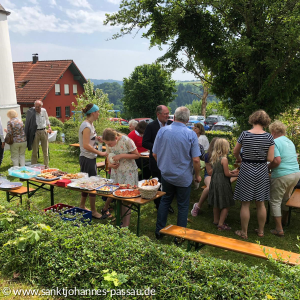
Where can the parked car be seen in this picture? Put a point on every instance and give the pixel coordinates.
(147, 120)
(190, 124)
(199, 118)
(213, 119)
(120, 120)
(223, 126)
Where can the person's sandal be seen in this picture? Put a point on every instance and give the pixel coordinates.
(195, 210)
(223, 227)
(106, 213)
(276, 232)
(259, 234)
(241, 234)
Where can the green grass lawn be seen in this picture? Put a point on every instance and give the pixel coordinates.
(66, 159)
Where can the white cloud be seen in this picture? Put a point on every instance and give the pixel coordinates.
(7, 4)
(87, 22)
(33, 19)
(33, 1)
(114, 1)
(28, 19)
(80, 3)
(52, 2)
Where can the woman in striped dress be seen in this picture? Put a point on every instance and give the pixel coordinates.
(253, 181)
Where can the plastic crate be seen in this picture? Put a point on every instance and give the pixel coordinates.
(58, 207)
(86, 216)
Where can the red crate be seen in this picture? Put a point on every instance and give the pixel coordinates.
(58, 207)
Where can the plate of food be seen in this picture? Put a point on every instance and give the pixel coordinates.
(107, 189)
(49, 170)
(145, 153)
(74, 176)
(47, 177)
(127, 193)
(10, 185)
(126, 186)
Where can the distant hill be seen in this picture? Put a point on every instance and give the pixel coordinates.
(99, 81)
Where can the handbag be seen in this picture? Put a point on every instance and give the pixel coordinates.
(9, 139)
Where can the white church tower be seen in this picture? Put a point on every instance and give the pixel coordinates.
(8, 98)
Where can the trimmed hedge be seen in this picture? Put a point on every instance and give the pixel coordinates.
(71, 132)
(102, 256)
(229, 136)
(56, 123)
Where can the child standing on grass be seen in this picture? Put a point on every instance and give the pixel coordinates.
(220, 194)
(122, 154)
(207, 178)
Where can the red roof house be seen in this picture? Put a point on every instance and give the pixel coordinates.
(55, 82)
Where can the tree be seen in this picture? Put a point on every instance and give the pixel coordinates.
(250, 47)
(147, 87)
(114, 91)
(99, 98)
(195, 108)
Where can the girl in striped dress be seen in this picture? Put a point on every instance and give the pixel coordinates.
(253, 181)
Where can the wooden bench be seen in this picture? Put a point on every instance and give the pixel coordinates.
(293, 202)
(100, 166)
(195, 237)
(10, 194)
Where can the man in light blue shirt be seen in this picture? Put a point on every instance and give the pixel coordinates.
(176, 151)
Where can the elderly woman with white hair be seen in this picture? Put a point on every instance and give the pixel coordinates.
(15, 127)
(285, 175)
(132, 124)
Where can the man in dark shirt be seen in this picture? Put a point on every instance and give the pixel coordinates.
(162, 113)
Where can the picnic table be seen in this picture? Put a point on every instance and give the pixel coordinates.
(143, 158)
(131, 203)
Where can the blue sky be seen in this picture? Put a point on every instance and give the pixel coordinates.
(73, 29)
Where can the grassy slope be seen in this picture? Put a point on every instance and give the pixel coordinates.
(64, 158)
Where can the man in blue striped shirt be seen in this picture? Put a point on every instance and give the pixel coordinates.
(177, 152)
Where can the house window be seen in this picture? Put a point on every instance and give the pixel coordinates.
(58, 112)
(74, 89)
(67, 89)
(67, 108)
(57, 89)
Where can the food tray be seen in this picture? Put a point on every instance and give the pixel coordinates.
(85, 217)
(37, 166)
(112, 188)
(47, 179)
(145, 153)
(19, 172)
(58, 207)
(10, 185)
(49, 170)
(130, 190)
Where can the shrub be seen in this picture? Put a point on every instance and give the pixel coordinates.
(71, 132)
(229, 136)
(56, 123)
(101, 256)
(124, 129)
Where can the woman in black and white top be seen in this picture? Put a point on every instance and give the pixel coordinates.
(253, 181)
(89, 153)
